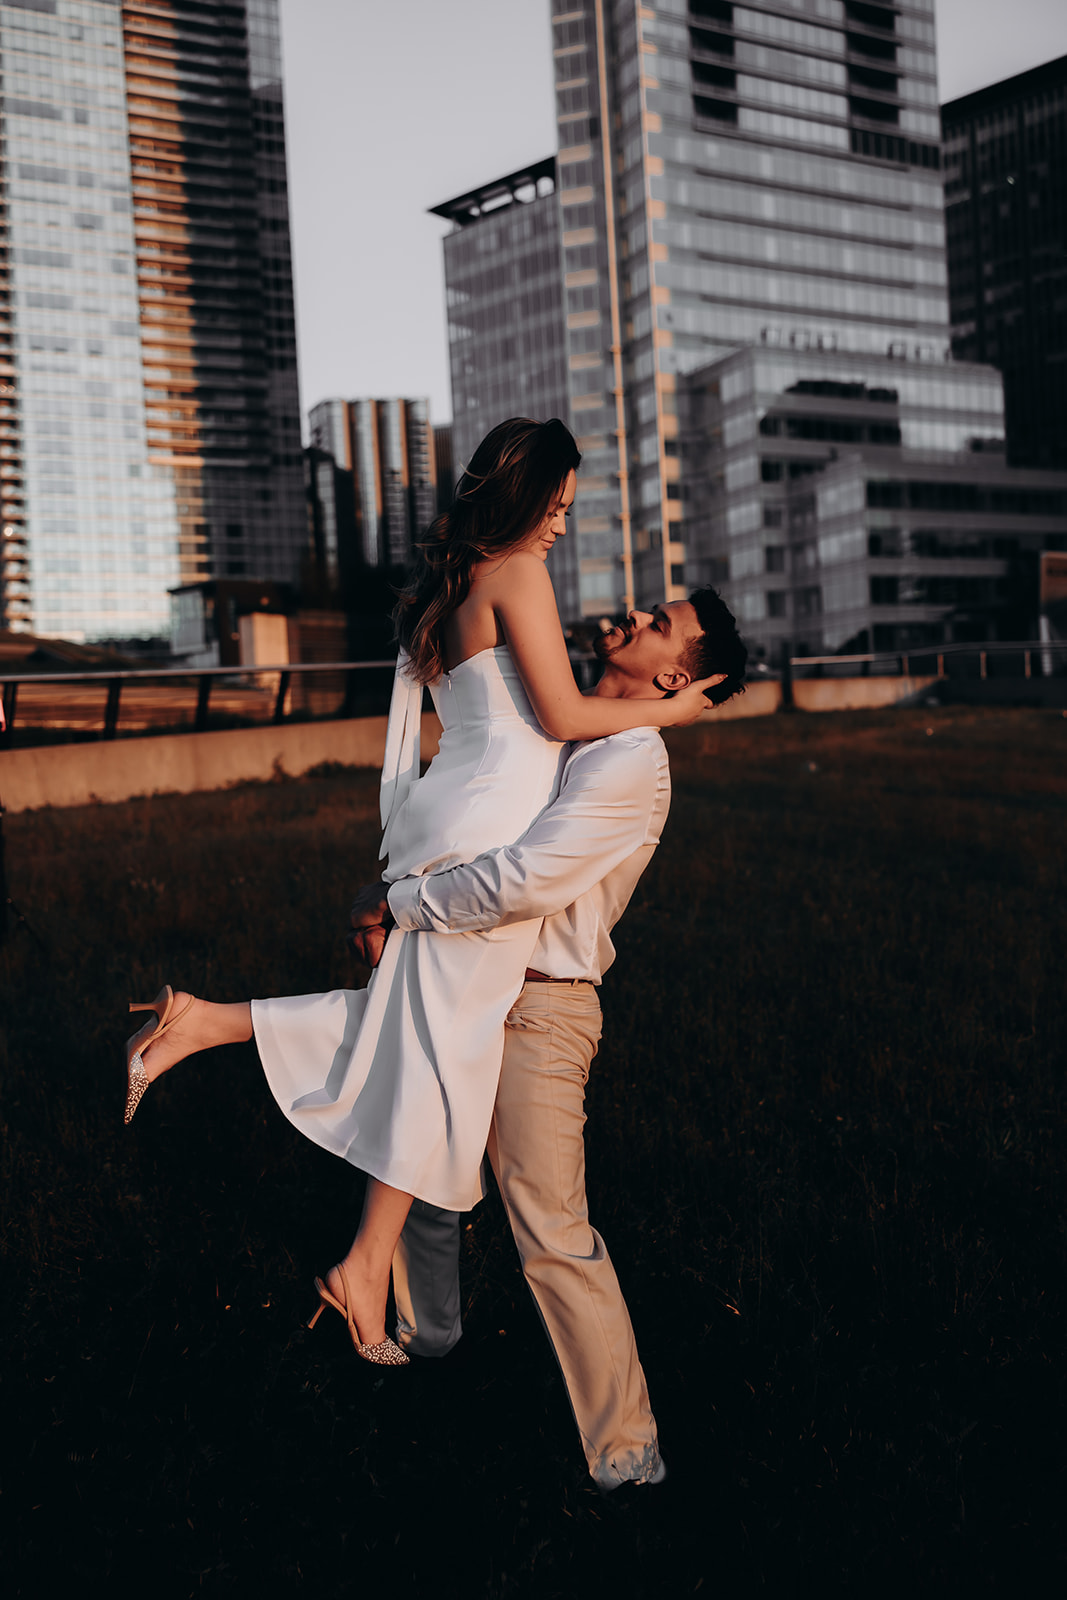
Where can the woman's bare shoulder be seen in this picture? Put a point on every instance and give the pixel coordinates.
(520, 568)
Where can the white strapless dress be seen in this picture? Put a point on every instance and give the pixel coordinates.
(400, 1078)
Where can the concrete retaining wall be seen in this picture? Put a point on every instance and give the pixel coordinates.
(78, 774)
(855, 694)
(119, 769)
(759, 700)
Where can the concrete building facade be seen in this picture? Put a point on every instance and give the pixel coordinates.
(856, 503)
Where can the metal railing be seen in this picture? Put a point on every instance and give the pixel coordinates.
(205, 678)
(270, 686)
(938, 657)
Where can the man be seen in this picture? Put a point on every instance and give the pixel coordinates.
(576, 867)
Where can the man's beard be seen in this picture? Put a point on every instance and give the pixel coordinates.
(601, 647)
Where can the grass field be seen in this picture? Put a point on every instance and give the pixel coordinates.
(825, 1148)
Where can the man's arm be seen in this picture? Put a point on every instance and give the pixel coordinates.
(599, 819)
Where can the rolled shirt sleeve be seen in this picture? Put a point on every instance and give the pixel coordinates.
(599, 819)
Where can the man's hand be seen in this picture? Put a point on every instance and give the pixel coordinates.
(369, 922)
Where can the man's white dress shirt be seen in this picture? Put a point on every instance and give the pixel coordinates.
(576, 867)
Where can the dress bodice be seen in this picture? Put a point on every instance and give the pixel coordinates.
(494, 772)
(486, 687)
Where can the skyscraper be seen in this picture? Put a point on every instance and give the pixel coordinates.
(503, 293)
(506, 340)
(1005, 176)
(730, 174)
(388, 446)
(149, 413)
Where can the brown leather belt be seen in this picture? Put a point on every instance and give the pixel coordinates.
(543, 977)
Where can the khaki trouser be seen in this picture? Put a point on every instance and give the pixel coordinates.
(537, 1152)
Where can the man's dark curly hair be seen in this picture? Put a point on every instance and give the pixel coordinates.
(719, 648)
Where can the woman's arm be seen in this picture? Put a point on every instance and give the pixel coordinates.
(525, 604)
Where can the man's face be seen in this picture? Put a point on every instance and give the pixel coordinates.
(651, 645)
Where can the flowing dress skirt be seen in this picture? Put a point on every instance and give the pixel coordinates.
(400, 1078)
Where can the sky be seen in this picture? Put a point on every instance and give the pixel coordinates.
(393, 106)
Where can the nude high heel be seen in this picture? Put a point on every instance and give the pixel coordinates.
(386, 1354)
(137, 1079)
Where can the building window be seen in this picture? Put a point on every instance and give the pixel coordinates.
(873, 110)
(884, 591)
(775, 558)
(706, 72)
(777, 601)
(678, 572)
(885, 496)
(870, 78)
(719, 9)
(871, 16)
(704, 39)
(877, 49)
(720, 110)
(771, 471)
(887, 147)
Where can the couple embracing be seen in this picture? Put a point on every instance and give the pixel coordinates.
(509, 862)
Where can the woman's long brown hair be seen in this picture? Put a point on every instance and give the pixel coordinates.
(512, 480)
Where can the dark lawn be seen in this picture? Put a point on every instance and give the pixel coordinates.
(825, 1148)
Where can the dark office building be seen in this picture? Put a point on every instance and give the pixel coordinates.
(333, 549)
(444, 465)
(1006, 214)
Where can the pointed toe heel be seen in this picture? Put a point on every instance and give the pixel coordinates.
(137, 1079)
(385, 1354)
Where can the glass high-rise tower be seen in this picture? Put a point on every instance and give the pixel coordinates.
(388, 446)
(506, 338)
(764, 173)
(149, 415)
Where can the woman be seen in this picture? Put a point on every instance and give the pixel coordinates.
(400, 1078)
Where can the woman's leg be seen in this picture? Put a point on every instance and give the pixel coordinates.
(368, 1262)
(202, 1027)
(385, 1209)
